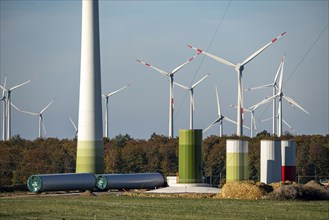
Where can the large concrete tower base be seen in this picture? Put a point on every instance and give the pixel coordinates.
(237, 160)
(288, 152)
(270, 161)
(190, 156)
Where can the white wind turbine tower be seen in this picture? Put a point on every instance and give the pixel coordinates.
(171, 90)
(220, 118)
(107, 109)
(8, 106)
(41, 123)
(191, 89)
(3, 99)
(75, 128)
(281, 95)
(274, 89)
(239, 68)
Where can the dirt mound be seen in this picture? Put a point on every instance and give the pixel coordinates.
(87, 193)
(280, 184)
(245, 190)
(291, 191)
(313, 190)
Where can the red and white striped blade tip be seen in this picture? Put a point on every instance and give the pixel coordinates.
(275, 39)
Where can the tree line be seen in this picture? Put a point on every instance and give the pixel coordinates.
(20, 158)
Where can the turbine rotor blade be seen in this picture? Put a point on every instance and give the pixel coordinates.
(288, 125)
(44, 109)
(180, 85)
(15, 107)
(230, 120)
(263, 102)
(280, 66)
(218, 103)
(155, 68)
(181, 66)
(15, 87)
(264, 120)
(258, 87)
(4, 86)
(251, 57)
(43, 126)
(246, 127)
(30, 113)
(75, 127)
(254, 122)
(195, 84)
(213, 56)
(112, 93)
(212, 124)
(281, 76)
(294, 103)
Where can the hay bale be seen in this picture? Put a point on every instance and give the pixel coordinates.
(244, 190)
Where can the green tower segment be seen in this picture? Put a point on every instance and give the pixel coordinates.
(90, 157)
(236, 160)
(190, 156)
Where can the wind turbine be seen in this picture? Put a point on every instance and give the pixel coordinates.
(107, 108)
(239, 68)
(191, 89)
(252, 119)
(171, 90)
(75, 128)
(3, 98)
(274, 89)
(8, 103)
(281, 95)
(41, 123)
(220, 118)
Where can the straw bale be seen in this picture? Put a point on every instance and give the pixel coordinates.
(244, 190)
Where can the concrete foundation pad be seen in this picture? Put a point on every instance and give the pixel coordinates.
(186, 189)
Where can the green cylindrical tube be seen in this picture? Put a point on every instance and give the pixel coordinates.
(190, 156)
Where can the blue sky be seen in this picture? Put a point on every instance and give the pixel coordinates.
(40, 40)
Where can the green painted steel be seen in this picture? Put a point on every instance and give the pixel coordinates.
(34, 183)
(90, 157)
(190, 156)
(237, 160)
(101, 182)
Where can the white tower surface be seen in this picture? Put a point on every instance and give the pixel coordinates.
(90, 152)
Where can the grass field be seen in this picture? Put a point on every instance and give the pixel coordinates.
(114, 206)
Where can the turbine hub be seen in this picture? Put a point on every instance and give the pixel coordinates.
(239, 67)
